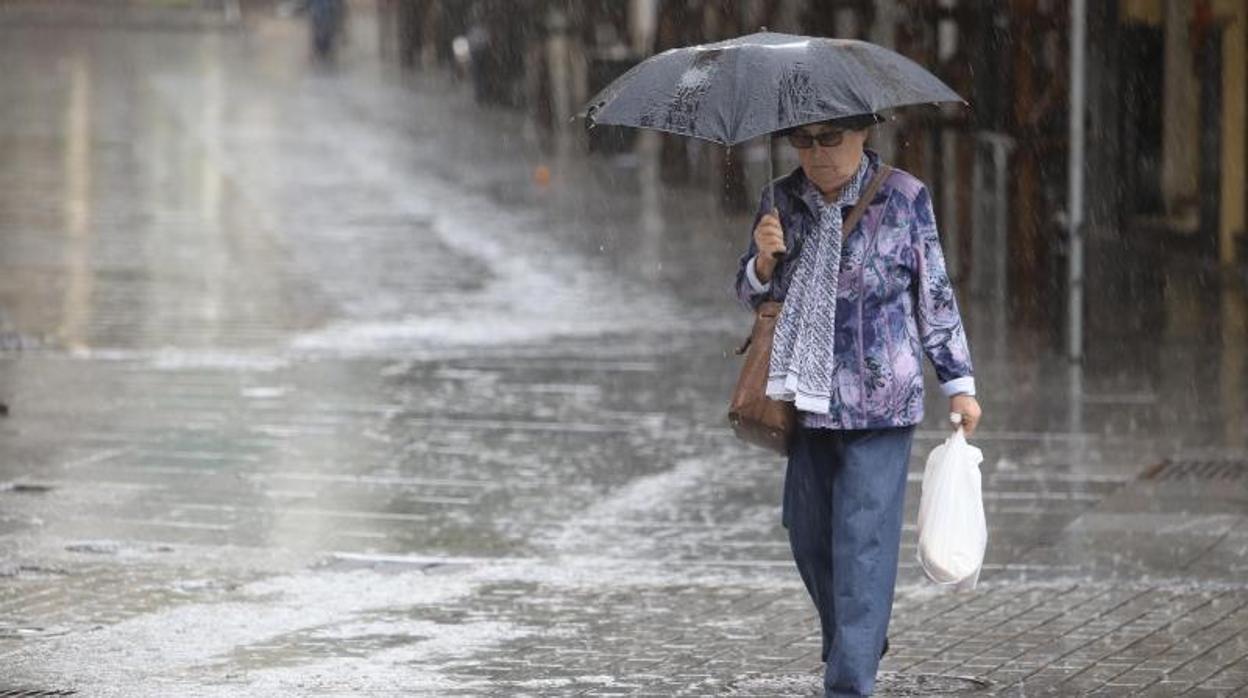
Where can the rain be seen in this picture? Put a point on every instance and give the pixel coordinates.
(385, 347)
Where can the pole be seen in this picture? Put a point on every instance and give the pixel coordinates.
(1078, 36)
(771, 172)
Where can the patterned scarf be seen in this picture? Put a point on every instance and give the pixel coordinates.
(801, 356)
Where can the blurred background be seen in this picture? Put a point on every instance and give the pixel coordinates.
(309, 304)
(1163, 165)
(1165, 107)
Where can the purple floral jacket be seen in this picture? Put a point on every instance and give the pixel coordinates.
(894, 302)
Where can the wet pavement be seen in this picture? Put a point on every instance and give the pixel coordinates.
(317, 390)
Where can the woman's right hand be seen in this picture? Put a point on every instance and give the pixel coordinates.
(769, 239)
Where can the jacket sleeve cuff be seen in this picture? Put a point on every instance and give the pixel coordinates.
(959, 386)
(752, 277)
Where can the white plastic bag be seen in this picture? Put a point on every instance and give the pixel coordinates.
(952, 530)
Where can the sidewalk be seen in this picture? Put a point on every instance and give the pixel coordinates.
(335, 399)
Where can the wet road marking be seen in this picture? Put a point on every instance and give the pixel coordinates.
(518, 425)
(156, 523)
(94, 458)
(380, 480)
(335, 513)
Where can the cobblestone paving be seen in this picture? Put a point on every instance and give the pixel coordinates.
(249, 458)
(602, 628)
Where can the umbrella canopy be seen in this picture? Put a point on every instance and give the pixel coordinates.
(734, 90)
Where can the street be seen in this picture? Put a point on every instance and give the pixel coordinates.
(316, 387)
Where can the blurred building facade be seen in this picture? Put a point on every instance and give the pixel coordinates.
(1167, 107)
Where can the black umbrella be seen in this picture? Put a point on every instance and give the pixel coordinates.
(734, 90)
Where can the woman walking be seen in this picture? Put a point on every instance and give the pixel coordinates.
(861, 309)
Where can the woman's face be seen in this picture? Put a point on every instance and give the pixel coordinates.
(829, 167)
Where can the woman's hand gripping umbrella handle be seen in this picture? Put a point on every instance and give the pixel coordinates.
(776, 255)
(768, 234)
(769, 239)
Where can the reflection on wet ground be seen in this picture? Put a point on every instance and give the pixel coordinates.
(328, 382)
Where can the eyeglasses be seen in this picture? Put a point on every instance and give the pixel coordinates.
(803, 140)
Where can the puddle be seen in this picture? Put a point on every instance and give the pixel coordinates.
(31, 572)
(113, 547)
(22, 632)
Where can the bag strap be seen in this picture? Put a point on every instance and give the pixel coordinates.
(860, 208)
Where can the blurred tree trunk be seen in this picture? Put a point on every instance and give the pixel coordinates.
(1037, 94)
(767, 14)
(675, 28)
(449, 20)
(387, 28)
(411, 21)
(725, 22)
(914, 43)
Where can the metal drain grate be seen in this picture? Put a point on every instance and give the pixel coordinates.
(1211, 467)
(928, 685)
(13, 692)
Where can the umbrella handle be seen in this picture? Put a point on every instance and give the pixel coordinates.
(771, 187)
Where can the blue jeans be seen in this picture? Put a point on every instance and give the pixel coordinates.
(844, 497)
